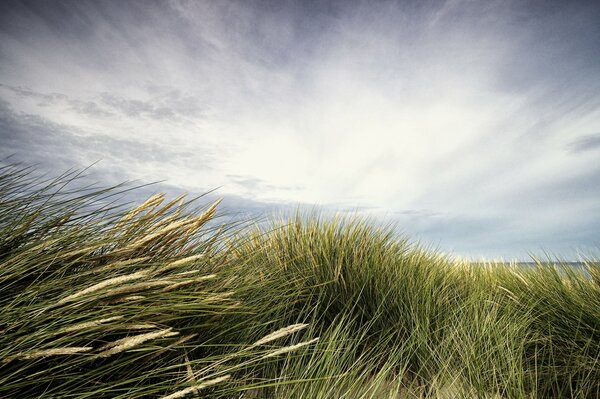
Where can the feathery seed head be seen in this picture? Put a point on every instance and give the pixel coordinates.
(283, 332)
(131, 342)
(153, 201)
(290, 348)
(137, 287)
(180, 262)
(187, 391)
(187, 282)
(104, 284)
(36, 354)
(83, 326)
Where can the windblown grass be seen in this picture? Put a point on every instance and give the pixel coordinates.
(163, 300)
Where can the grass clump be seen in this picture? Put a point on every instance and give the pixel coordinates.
(163, 300)
(100, 301)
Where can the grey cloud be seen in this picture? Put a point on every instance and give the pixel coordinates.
(165, 103)
(84, 107)
(89, 108)
(43, 99)
(55, 148)
(171, 106)
(583, 144)
(133, 108)
(36, 140)
(31, 139)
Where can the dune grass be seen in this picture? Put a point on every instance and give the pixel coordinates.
(162, 299)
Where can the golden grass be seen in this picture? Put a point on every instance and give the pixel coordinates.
(283, 332)
(104, 284)
(196, 388)
(124, 344)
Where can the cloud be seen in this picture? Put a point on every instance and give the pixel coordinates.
(42, 99)
(586, 143)
(467, 122)
(37, 140)
(171, 105)
(164, 104)
(254, 185)
(89, 108)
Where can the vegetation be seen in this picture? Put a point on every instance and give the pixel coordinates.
(161, 299)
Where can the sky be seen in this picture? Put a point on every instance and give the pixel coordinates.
(471, 126)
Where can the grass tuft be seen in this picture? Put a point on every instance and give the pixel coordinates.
(161, 299)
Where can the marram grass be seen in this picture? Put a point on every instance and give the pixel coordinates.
(162, 300)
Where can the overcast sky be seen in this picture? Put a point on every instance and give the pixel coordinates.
(472, 125)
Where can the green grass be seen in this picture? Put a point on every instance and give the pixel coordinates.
(163, 299)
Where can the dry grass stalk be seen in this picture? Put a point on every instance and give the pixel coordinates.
(146, 326)
(153, 201)
(187, 391)
(290, 348)
(162, 232)
(137, 287)
(131, 342)
(36, 354)
(25, 225)
(104, 284)
(134, 297)
(180, 341)
(180, 262)
(187, 273)
(161, 211)
(169, 241)
(128, 298)
(191, 224)
(45, 244)
(83, 326)
(166, 220)
(27, 254)
(188, 368)
(183, 340)
(80, 251)
(219, 297)
(187, 282)
(283, 332)
(190, 373)
(212, 209)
